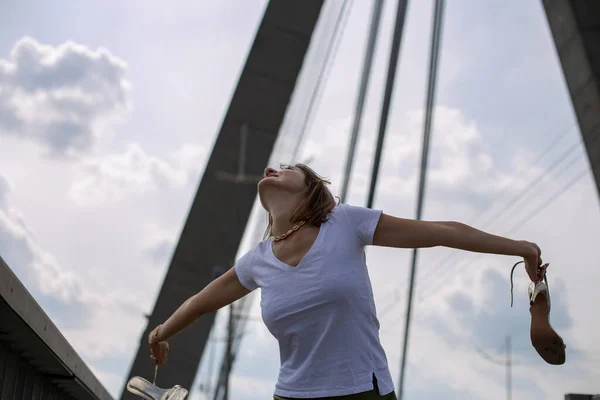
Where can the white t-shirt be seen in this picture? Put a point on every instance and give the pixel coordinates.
(322, 312)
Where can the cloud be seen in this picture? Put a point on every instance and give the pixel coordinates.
(100, 324)
(462, 175)
(42, 273)
(466, 312)
(112, 177)
(430, 354)
(468, 309)
(487, 319)
(466, 324)
(159, 253)
(62, 97)
(4, 189)
(38, 269)
(460, 165)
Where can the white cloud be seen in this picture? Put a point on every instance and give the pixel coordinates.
(99, 323)
(62, 97)
(109, 330)
(467, 165)
(35, 265)
(41, 270)
(4, 189)
(458, 161)
(114, 176)
(483, 317)
(463, 178)
(111, 380)
(74, 94)
(461, 140)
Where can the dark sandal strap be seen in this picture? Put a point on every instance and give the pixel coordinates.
(512, 271)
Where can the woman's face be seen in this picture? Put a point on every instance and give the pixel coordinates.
(289, 180)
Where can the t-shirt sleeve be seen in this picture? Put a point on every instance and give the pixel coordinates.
(363, 220)
(243, 270)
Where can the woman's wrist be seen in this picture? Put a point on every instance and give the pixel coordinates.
(154, 338)
(526, 249)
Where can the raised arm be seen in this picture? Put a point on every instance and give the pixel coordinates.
(222, 291)
(408, 233)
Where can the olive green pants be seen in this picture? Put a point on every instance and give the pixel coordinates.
(370, 395)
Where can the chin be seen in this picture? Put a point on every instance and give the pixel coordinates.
(261, 195)
(266, 186)
(266, 181)
(262, 185)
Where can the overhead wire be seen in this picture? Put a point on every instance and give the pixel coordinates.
(362, 92)
(536, 182)
(557, 139)
(391, 305)
(387, 95)
(492, 359)
(333, 46)
(436, 39)
(520, 196)
(206, 380)
(542, 206)
(331, 53)
(549, 201)
(441, 261)
(527, 188)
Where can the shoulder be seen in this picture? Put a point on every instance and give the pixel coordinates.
(255, 254)
(355, 213)
(246, 260)
(361, 220)
(245, 268)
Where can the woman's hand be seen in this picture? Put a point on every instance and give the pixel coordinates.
(158, 349)
(533, 262)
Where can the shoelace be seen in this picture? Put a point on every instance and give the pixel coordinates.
(512, 271)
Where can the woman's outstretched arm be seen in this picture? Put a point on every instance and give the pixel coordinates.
(222, 291)
(408, 233)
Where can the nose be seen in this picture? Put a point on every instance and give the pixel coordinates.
(269, 170)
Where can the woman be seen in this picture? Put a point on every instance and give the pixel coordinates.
(316, 295)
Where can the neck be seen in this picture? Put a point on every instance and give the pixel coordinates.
(281, 223)
(281, 211)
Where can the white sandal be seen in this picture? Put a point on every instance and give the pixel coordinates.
(149, 391)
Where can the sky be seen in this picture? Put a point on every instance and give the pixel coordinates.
(108, 112)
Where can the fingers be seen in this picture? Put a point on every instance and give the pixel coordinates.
(539, 253)
(537, 275)
(538, 266)
(533, 272)
(159, 352)
(165, 351)
(542, 270)
(159, 360)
